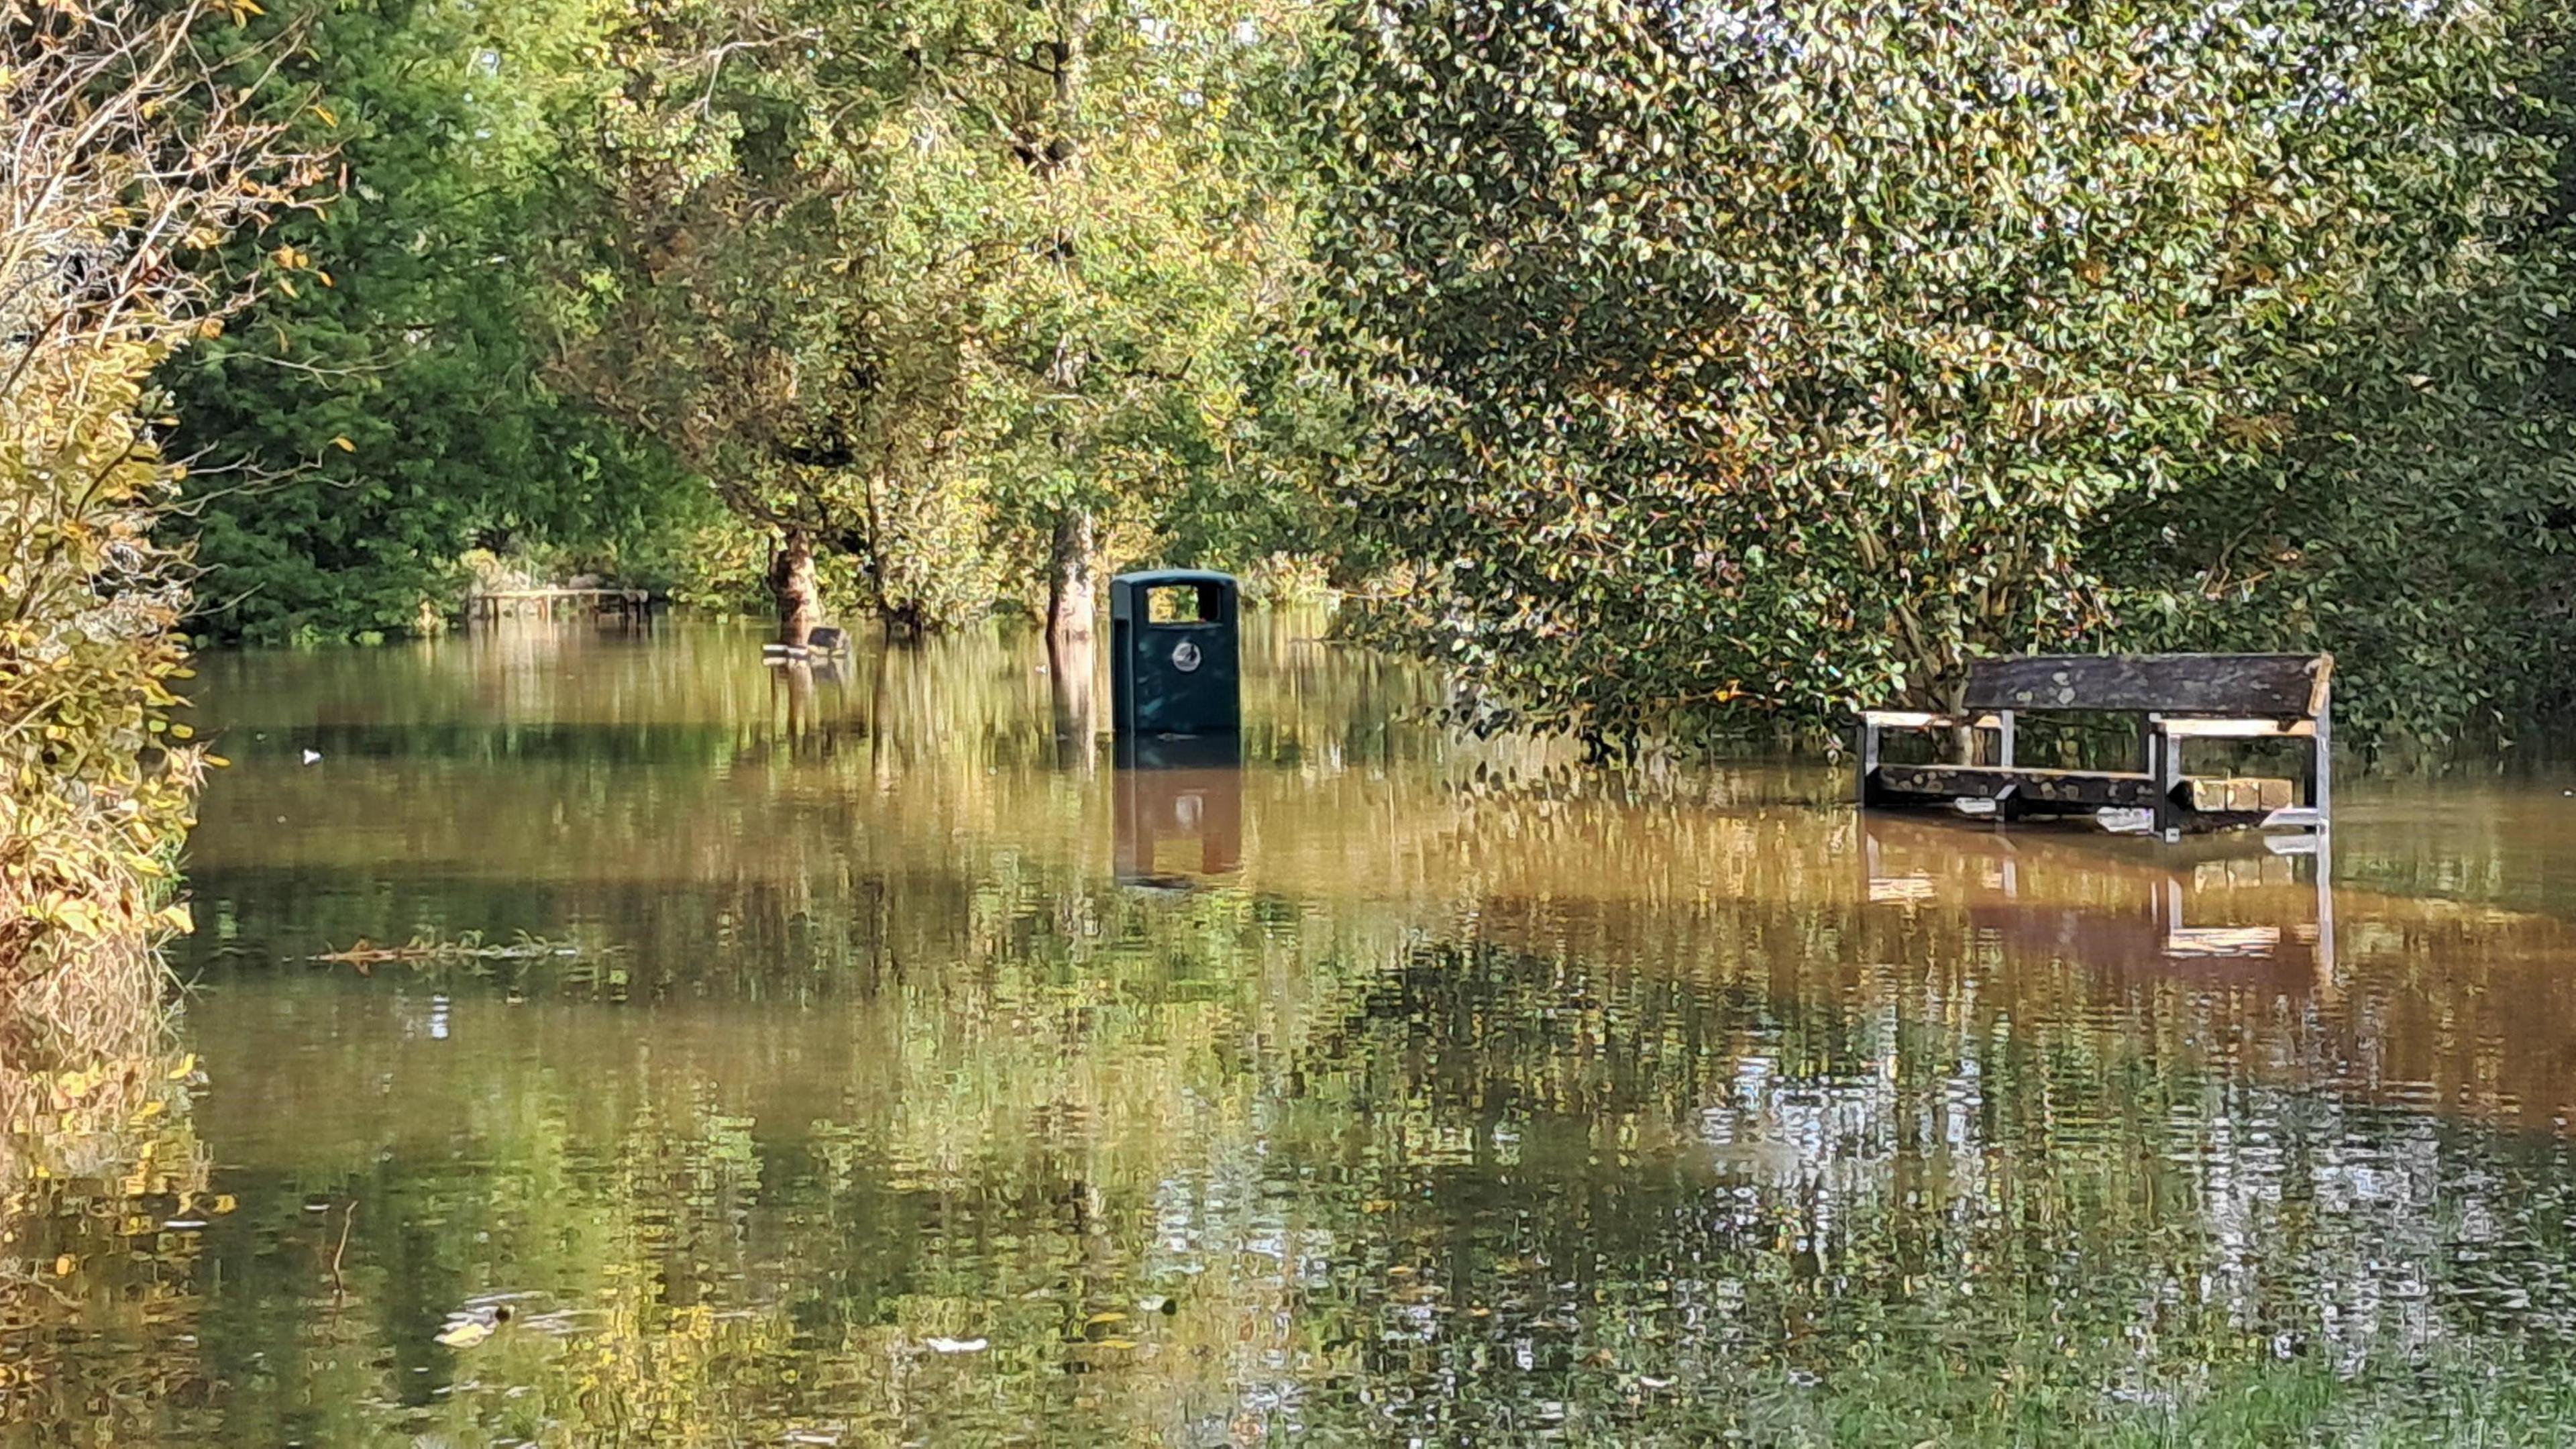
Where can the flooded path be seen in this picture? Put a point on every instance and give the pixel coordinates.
(715, 1057)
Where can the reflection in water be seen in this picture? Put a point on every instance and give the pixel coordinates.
(1073, 669)
(2234, 897)
(1200, 811)
(817, 1079)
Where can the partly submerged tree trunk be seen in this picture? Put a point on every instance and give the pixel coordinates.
(799, 592)
(1072, 595)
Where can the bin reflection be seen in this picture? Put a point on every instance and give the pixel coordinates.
(1178, 824)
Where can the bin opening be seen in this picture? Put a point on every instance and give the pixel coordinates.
(1185, 604)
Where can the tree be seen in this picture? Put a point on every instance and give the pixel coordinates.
(2418, 522)
(383, 406)
(1764, 362)
(965, 290)
(126, 159)
(735, 292)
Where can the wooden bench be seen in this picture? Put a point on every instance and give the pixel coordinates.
(2173, 697)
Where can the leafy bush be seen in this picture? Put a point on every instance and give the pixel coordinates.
(1760, 361)
(123, 161)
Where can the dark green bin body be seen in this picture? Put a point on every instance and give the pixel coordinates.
(1174, 679)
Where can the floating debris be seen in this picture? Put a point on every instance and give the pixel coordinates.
(957, 1345)
(468, 947)
(464, 1330)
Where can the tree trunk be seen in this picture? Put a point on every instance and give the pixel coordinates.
(1071, 593)
(800, 594)
(1963, 736)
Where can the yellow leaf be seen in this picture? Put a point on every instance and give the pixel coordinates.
(344, 445)
(464, 1335)
(64, 1265)
(176, 918)
(324, 112)
(186, 1063)
(287, 287)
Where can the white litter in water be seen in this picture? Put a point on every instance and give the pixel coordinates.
(957, 1345)
(312, 757)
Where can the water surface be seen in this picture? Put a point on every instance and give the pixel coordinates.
(851, 1060)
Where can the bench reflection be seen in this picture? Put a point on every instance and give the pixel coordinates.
(2220, 902)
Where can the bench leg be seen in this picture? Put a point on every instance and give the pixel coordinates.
(2320, 773)
(1867, 755)
(2004, 739)
(2164, 776)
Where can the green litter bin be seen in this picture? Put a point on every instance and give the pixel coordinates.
(1175, 665)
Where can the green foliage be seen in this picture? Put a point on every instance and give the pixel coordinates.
(95, 795)
(2417, 523)
(383, 404)
(1767, 362)
(919, 282)
(123, 154)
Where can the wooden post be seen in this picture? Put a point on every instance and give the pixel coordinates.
(1868, 764)
(2004, 742)
(2320, 773)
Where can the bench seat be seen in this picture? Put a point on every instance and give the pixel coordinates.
(2085, 789)
(2090, 789)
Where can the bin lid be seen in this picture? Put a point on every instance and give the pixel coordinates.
(1159, 578)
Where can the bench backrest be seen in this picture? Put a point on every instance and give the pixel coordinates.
(2273, 686)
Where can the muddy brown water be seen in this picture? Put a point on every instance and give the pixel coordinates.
(846, 1059)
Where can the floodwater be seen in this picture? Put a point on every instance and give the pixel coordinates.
(607, 1039)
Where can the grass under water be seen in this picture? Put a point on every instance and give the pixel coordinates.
(893, 1077)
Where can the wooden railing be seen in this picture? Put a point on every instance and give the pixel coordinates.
(542, 603)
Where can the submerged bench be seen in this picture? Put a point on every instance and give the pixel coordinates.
(2173, 697)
